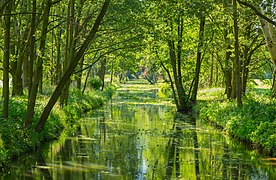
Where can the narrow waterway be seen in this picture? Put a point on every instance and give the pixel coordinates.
(138, 136)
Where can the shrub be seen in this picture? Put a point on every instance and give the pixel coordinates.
(95, 83)
(254, 122)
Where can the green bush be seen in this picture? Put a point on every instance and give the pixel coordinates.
(95, 83)
(254, 122)
(109, 91)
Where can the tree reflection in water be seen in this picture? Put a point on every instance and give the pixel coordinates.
(142, 141)
(174, 144)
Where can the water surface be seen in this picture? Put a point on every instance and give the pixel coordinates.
(138, 136)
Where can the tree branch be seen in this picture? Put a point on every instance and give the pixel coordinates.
(258, 13)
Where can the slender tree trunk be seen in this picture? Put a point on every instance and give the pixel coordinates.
(38, 72)
(170, 79)
(274, 82)
(245, 70)
(112, 72)
(171, 84)
(198, 59)
(6, 60)
(86, 79)
(237, 60)
(228, 69)
(217, 75)
(79, 13)
(32, 55)
(182, 98)
(70, 69)
(80, 74)
(58, 69)
(69, 51)
(101, 72)
(211, 71)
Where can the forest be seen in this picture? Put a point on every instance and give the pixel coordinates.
(61, 59)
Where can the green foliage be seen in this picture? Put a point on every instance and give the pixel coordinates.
(95, 83)
(109, 91)
(165, 91)
(254, 122)
(15, 141)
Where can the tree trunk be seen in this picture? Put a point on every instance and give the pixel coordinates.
(170, 79)
(101, 72)
(32, 55)
(58, 69)
(6, 60)
(228, 69)
(270, 37)
(245, 70)
(198, 59)
(182, 97)
(79, 77)
(86, 79)
(273, 94)
(237, 59)
(171, 83)
(112, 72)
(211, 71)
(70, 69)
(38, 72)
(69, 51)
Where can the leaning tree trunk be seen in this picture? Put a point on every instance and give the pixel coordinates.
(170, 79)
(66, 76)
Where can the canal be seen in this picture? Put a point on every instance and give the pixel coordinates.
(139, 136)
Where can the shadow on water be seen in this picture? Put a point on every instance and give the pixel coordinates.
(137, 139)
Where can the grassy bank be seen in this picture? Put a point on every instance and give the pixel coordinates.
(15, 141)
(253, 123)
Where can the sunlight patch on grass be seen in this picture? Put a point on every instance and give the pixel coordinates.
(211, 94)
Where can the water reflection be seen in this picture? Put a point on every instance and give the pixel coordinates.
(138, 139)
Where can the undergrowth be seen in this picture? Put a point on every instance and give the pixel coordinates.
(254, 122)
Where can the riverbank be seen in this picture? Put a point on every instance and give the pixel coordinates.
(118, 141)
(15, 141)
(254, 123)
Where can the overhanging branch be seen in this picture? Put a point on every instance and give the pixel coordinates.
(258, 13)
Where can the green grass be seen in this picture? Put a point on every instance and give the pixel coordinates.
(254, 122)
(15, 141)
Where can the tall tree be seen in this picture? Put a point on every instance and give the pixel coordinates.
(73, 63)
(38, 72)
(6, 59)
(269, 31)
(237, 63)
(198, 57)
(69, 49)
